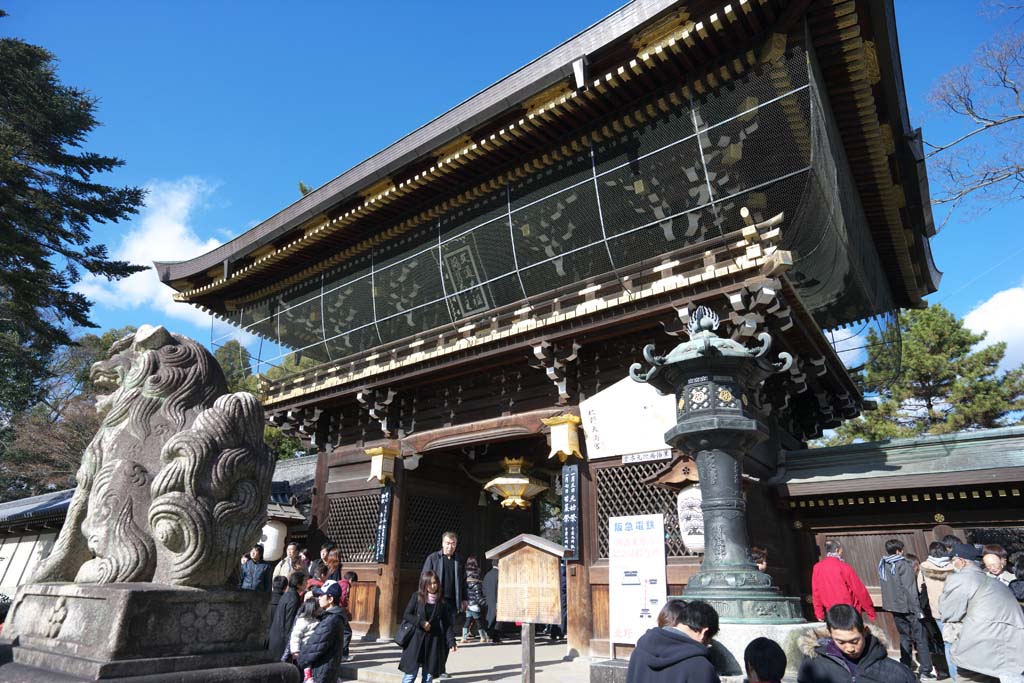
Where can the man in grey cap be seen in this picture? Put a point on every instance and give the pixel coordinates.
(987, 625)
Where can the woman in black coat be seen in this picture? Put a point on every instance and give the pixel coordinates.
(432, 633)
(284, 615)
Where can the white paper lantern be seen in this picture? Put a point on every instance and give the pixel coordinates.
(691, 519)
(274, 534)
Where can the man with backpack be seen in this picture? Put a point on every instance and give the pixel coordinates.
(900, 598)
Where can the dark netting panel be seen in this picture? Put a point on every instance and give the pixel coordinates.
(766, 142)
(653, 205)
(664, 128)
(565, 174)
(621, 491)
(479, 269)
(425, 521)
(352, 526)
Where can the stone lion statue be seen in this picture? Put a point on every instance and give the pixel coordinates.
(174, 486)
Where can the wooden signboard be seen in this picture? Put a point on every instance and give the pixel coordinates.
(383, 524)
(571, 511)
(528, 587)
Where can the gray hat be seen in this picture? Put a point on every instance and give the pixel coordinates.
(965, 551)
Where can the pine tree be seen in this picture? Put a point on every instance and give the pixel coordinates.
(48, 203)
(235, 361)
(944, 383)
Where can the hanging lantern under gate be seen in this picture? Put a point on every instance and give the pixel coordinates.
(516, 488)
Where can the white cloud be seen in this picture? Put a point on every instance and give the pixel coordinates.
(1001, 317)
(850, 346)
(223, 333)
(161, 232)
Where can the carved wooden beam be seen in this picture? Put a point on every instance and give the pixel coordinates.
(380, 403)
(557, 360)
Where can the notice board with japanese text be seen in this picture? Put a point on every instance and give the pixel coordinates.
(636, 575)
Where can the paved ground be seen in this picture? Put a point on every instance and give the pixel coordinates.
(473, 663)
(476, 662)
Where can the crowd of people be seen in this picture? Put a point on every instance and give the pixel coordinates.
(310, 614)
(960, 602)
(451, 589)
(309, 604)
(957, 614)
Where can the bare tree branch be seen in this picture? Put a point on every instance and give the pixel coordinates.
(942, 148)
(987, 159)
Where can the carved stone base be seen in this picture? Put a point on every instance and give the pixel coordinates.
(727, 648)
(140, 631)
(749, 607)
(726, 652)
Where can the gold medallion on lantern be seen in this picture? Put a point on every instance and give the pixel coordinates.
(699, 397)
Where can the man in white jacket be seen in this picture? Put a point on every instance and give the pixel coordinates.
(983, 620)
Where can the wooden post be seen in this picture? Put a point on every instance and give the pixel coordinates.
(388, 605)
(529, 654)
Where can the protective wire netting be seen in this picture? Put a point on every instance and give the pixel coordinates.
(766, 142)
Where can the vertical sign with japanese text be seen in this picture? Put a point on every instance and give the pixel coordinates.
(636, 575)
(383, 523)
(571, 511)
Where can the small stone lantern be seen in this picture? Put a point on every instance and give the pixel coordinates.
(717, 385)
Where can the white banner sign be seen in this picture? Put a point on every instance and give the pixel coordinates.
(631, 458)
(627, 417)
(636, 575)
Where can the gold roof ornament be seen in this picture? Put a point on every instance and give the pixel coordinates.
(565, 439)
(382, 463)
(516, 488)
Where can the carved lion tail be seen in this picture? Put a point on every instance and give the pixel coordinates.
(209, 500)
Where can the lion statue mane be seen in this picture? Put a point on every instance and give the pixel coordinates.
(174, 486)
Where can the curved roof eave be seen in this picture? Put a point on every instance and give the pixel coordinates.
(909, 146)
(539, 74)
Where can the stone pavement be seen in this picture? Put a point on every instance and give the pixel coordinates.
(377, 662)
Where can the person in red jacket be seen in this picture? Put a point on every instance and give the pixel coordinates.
(833, 582)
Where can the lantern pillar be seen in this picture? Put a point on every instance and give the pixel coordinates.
(717, 384)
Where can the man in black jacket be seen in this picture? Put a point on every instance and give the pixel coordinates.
(900, 598)
(848, 652)
(315, 565)
(256, 573)
(491, 598)
(284, 615)
(322, 651)
(677, 652)
(451, 572)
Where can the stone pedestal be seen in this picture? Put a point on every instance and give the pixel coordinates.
(140, 631)
(726, 652)
(728, 645)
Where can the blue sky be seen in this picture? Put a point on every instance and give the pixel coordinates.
(220, 108)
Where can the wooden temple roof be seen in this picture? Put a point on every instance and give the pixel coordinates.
(525, 120)
(992, 458)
